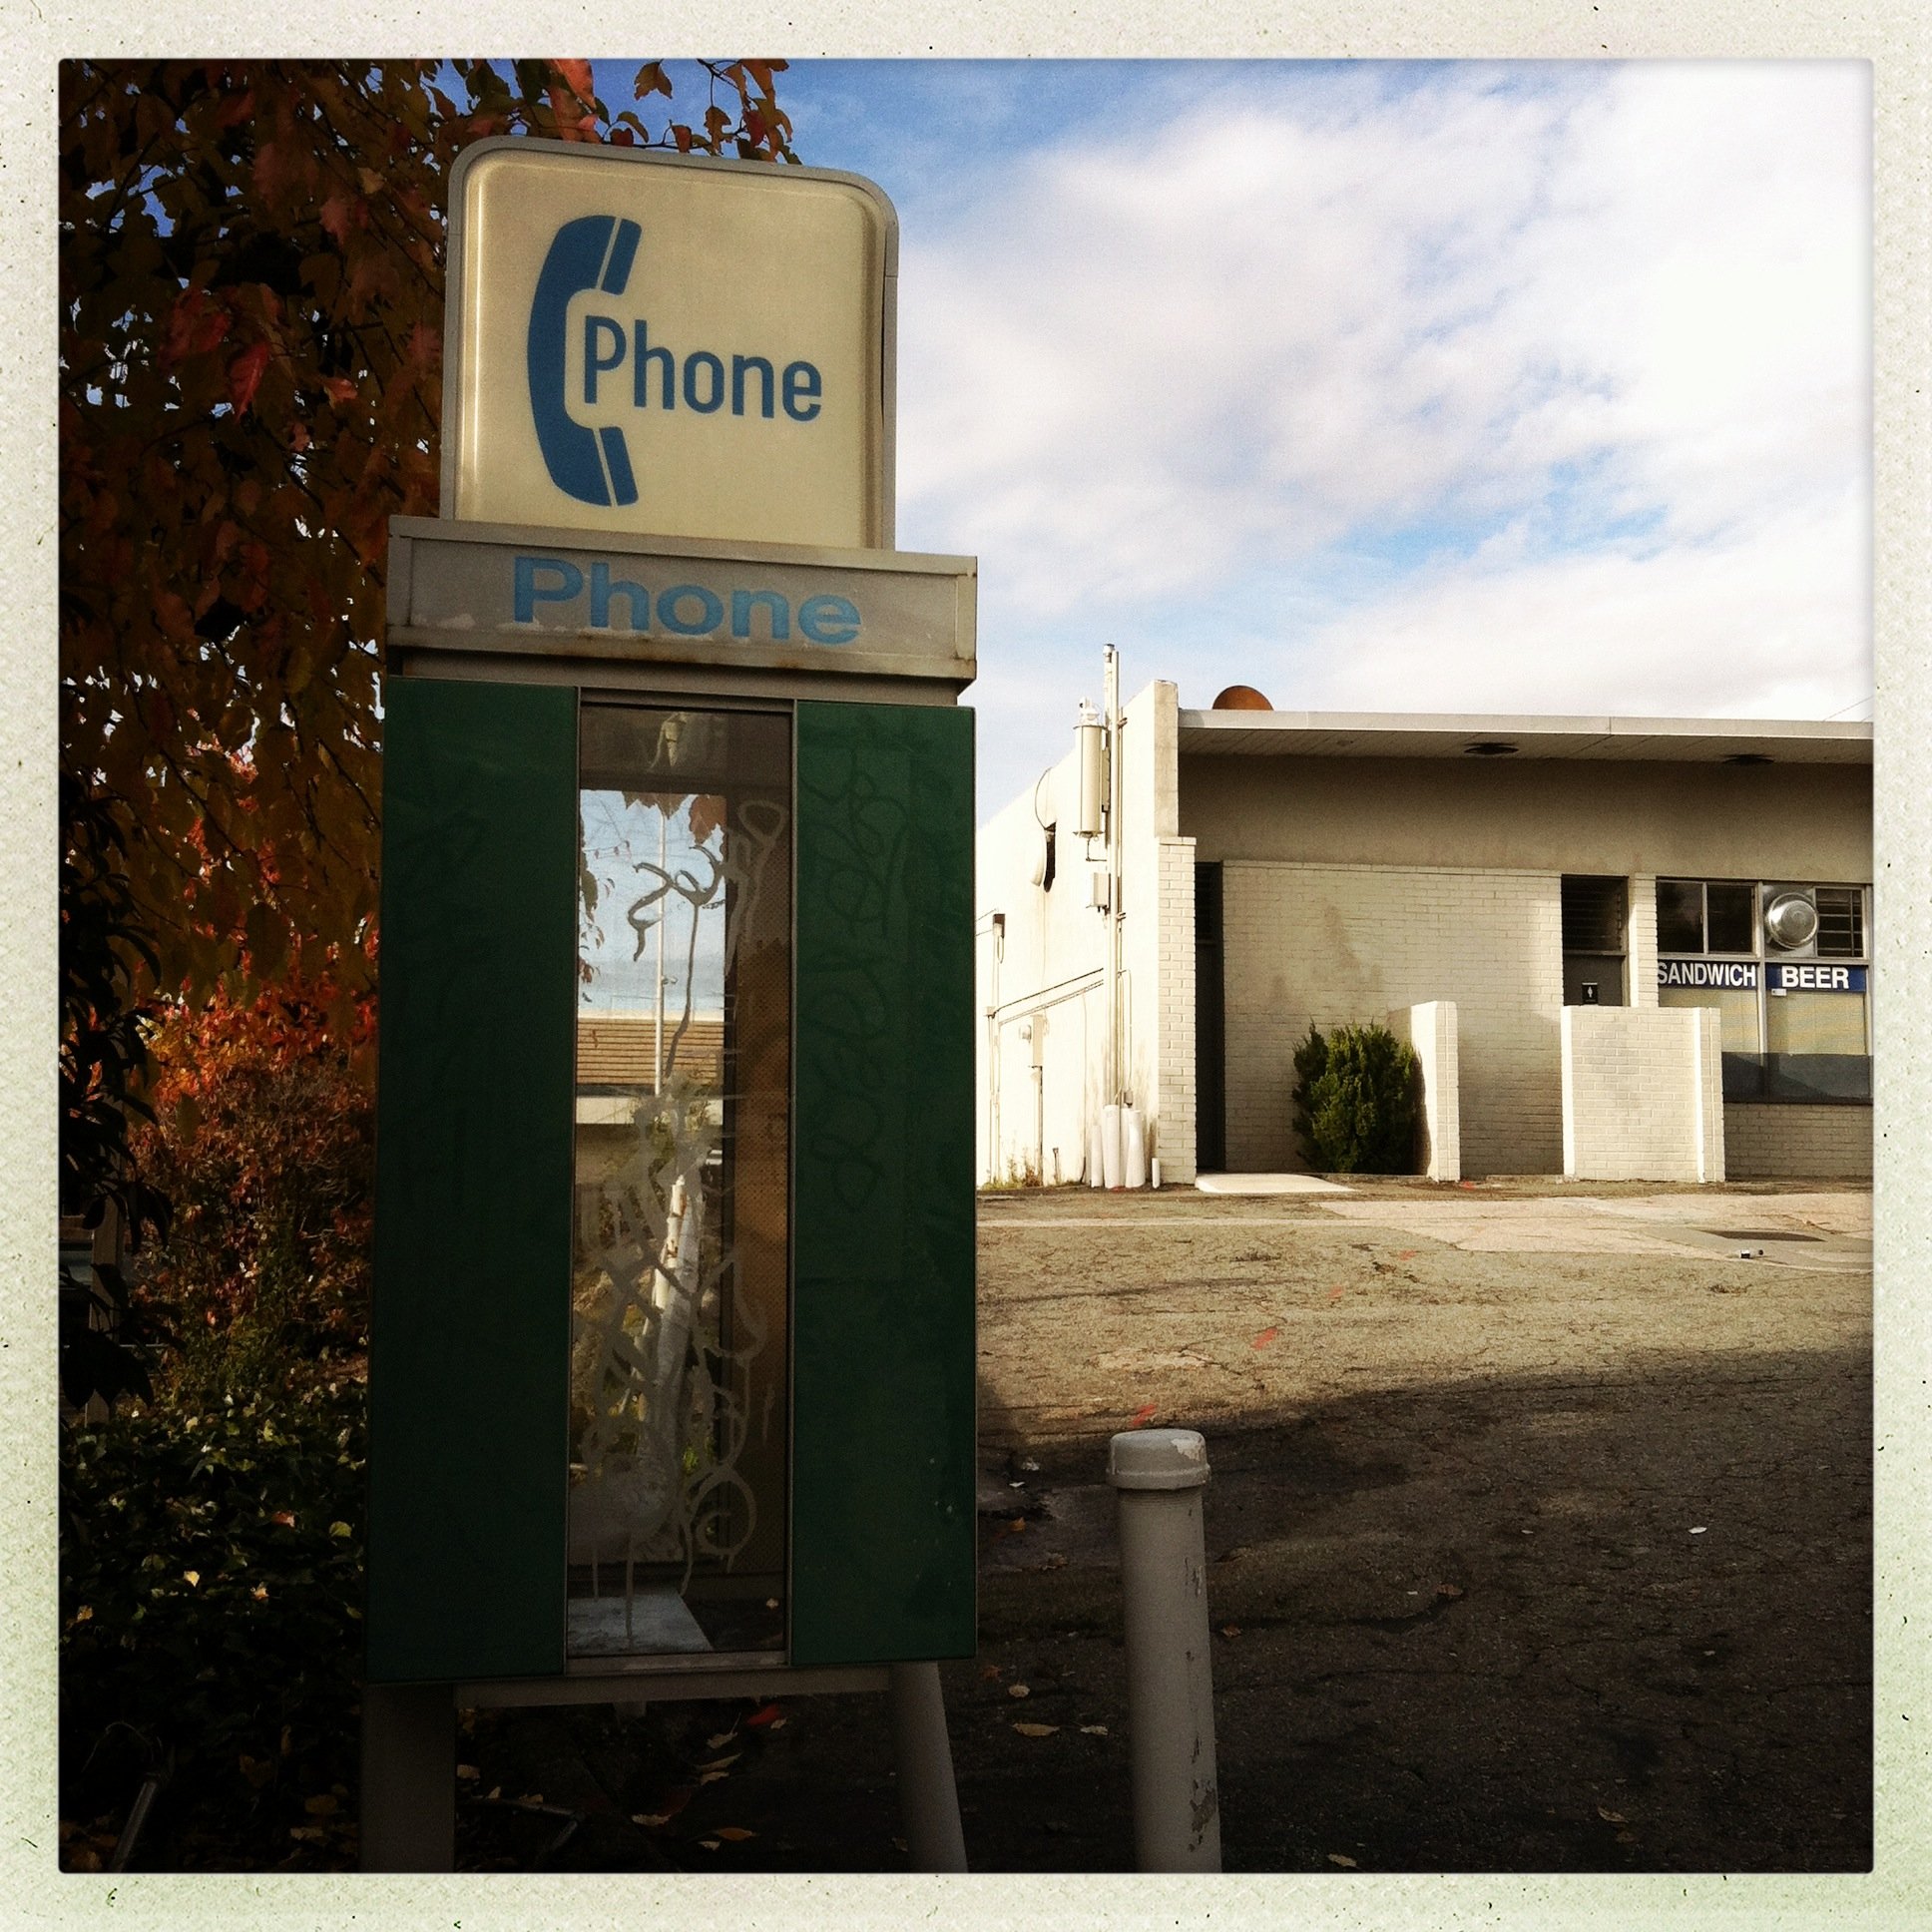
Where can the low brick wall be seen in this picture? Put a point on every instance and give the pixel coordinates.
(1430, 1028)
(1642, 1094)
(1775, 1143)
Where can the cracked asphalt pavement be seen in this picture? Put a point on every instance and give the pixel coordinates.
(1539, 1539)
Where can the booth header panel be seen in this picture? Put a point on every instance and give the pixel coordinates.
(532, 592)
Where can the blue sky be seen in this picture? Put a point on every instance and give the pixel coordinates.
(1381, 386)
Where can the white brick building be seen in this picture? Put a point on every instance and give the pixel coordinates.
(1279, 868)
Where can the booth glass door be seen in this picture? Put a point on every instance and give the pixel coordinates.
(678, 1401)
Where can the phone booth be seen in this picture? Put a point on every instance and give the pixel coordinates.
(673, 1339)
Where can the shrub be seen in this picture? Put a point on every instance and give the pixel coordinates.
(212, 1534)
(1355, 1101)
(211, 1569)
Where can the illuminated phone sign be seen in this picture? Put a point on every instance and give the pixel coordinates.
(572, 380)
(649, 346)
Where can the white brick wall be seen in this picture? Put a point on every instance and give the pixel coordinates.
(1345, 944)
(1642, 1094)
(1643, 939)
(1173, 1094)
(1430, 1029)
(1047, 972)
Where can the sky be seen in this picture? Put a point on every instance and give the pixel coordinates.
(1523, 387)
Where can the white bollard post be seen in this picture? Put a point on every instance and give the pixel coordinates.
(1159, 1474)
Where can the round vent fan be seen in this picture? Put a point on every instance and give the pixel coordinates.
(1791, 920)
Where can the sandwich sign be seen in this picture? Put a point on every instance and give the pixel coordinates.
(639, 342)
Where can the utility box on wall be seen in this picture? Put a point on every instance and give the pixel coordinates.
(673, 1343)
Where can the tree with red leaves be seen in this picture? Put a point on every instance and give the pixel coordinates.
(250, 340)
(249, 387)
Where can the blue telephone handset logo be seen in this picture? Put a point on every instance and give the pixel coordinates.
(592, 465)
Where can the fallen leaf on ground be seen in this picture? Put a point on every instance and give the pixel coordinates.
(1700, 1530)
(1341, 1858)
(1610, 1817)
(1036, 1731)
(711, 1777)
(1336, 1293)
(1264, 1337)
(1018, 1691)
(1142, 1416)
(1448, 1590)
(722, 1738)
(1231, 1630)
(759, 1718)
(709, 1844)
(1092, 1730)
(719, 1763)
(1628, 1839)
(1407, 1255)
(650, 1819)
(990, 1673)
(318, 1808)
(736, 1833)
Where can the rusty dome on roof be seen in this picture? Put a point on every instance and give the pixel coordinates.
(1241, 698)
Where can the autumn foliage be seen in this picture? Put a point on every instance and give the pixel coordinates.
(263, 1138)
(250, 347)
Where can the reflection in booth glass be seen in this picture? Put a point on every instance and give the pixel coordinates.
(678, 1391)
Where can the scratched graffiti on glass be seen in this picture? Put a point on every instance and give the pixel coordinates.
(677, 1375)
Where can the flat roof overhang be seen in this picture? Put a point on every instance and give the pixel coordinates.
(1403, 735)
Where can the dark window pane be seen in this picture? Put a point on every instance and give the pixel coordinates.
(1680, 916)
(1799, 1077)
(1732, 928)
(1841, 921)
(1593, 915)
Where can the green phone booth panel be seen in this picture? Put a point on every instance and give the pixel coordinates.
(883, 1408)
(473, 1547)
(471, 1324)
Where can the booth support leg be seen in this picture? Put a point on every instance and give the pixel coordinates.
(928, 1797)
(408, 1778)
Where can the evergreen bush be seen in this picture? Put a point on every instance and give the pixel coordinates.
(1355, 1101)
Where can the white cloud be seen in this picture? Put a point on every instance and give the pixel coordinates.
(1769, 624)
(1599, 334)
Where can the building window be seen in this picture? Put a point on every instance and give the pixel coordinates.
(1788, 966)
(1595, 918)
